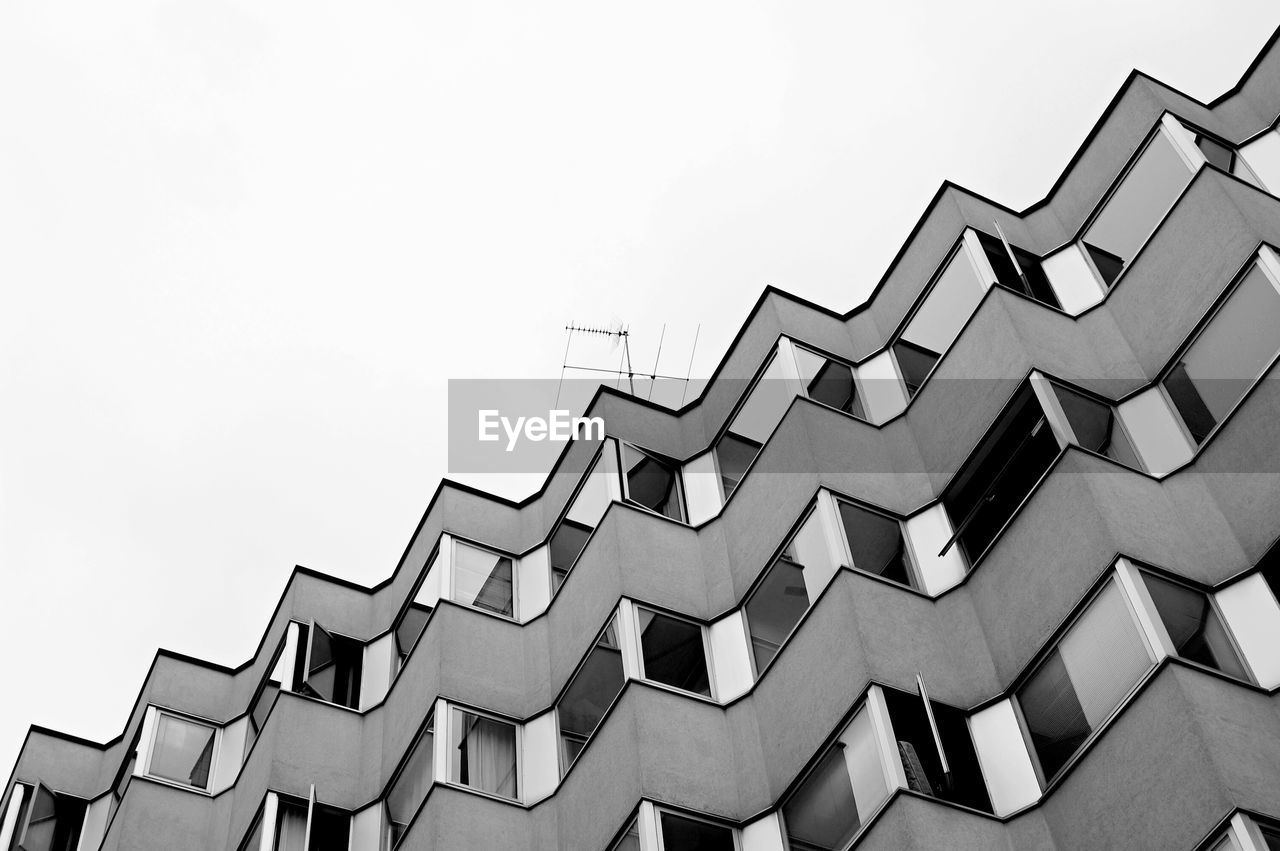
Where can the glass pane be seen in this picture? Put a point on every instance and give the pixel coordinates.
(1146, 193)
(483, 754)
(630, 840)
(765, 405)
(565, 546)
(333, 669)
(330, 830)
(823, 813)
(734, 455)
(1271, 836)
(686, 834)
(253, 840)
(918, 750)
(775, 608)
(1031, 282)
(592, 691)
(483, 579)
(915, 363)
(55, 821)
(1096, 426)
(291, 828)
(827, 381)
(1098, 661)
(876, 543)
(21, 815)
(183, 751)
(1215, 152)
(1229, 355)
(652, 483)
(593, 498)
(410, 627)
(411, 786)
(948, 305)
(673, 652)
(1194, 627)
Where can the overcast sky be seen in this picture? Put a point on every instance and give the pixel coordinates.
(244, 244)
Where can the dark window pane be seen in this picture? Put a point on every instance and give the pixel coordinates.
(829, 382)
(876, 543)
(330, 830)
(914, 362)
(673, 652)
(652, 483)
(1144, 195)
(483, 754)
(775, 608)
(823, 813)
(183, 751)
(592, 691)
(1031, 282)
(918, 749)
(1272, 837)
(483, 579)
(333, 667)
(566, 545)
(54, 822)
(1096, 426)
(1215, 152)
(409, 628)
(1228, 356)
(1269, 566)
(1193, 626)
(686, 834)
(1109, 265)
(411, 784)
(734, 454)
(1001, 474)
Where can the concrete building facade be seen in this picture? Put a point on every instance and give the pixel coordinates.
(988, 562)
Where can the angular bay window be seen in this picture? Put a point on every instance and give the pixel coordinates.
(1237, 346)
(828, 381)
(482, 754)
(840, 793)
(937, 319)
(1017, 270)
(580, 520)
(1083, 679)
(756, 417)
(1194, 626)
(673, 652)
(331, 666)
(484, 579)
(1136, 205)
(1095, 425)
(787, 590)
(411, 783)
(682, 833)
(590, 694)
(182, 751)
(875, 543)
(652, 482)
(46, 820)
(936, 749)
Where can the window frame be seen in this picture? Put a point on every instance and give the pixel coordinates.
(451, 710)
(659, 836)
(428, 725)
(596, 460)
(914, 573)
(703, 630)
(1162, 629)
(859, 397)
(302, 677)
(614, 621)
(454, 541)
(624, 484)
(427, 565)
(725, 428)
(214, 758)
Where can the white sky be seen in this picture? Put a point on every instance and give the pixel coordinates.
(243, 245)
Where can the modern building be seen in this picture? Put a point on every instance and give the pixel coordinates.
(987, 562)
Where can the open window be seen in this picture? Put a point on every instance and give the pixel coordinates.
(1135, 205)
(1082, 679)
(828, 381)
(46, 820)
(1194, 626)
(935, 748)
(484, 579)
(483, 753)
(679, 832)
(1237, 345)
(182, 751)
(310, 826)
(590, 694)
(875, 543)
(673, 652)
(408, 789)
(330, 668)
(652, 481)
(1016, 269)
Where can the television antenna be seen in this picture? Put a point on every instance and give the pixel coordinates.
(620, 334)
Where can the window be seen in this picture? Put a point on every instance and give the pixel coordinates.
(1096, 426)
(681, 833)
(484, 579)
(787, 590)
(1269, 567)
(828, 381)
(590, 694)
(182, 751)
(875, 543)
(938, 318)
(585, 510)
(759, 413)
(330, 669)
(567, 543)
(1194, 626)
(482, 754)
(330, 827)
(1000, 474)
(1017, 269)
(841, 792)
(1083, 679)
(253, 838)
(264, 698)
(1271, 836)
(412, 620)
(1135, 207)
(936, 750)
(672, 652)
(652, 482)
(630, 841)
(1215, 152)
(46, 820)
(412, 782)
(1236, 347)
